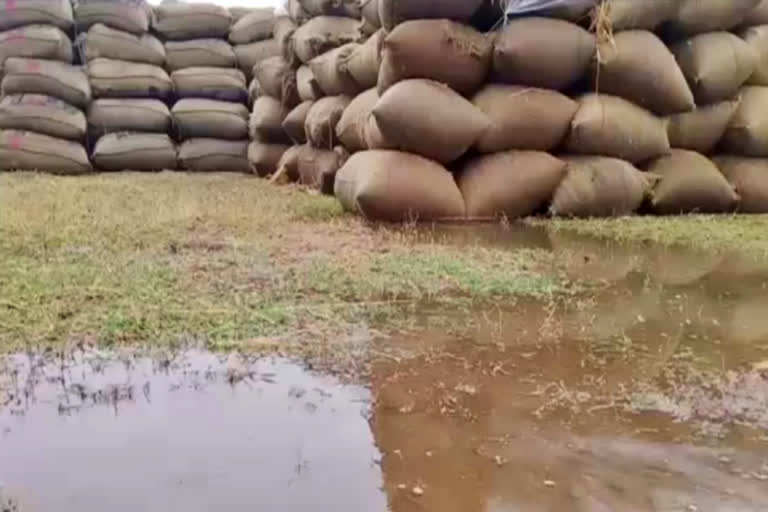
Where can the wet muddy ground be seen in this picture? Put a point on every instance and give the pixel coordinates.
(648, 394)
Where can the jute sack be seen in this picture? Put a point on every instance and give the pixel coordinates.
(294, 122)
(369, 10)
(350, 8)
(598, 186)
(523, 117)
(283, 35)
(289, 162)
(306, 85)
(42, 114)
(757, 38)
(699, 16)
(322, 118)
(213, 83)
(237, 13)
(747, 133)
(52, 78)
(215, 155)
(191, 21)
(364, 62)
(637, 66)
(210, 118)
(701, 129)
(509, 184)
(266, 120)
(351, 127)
(542, 52)
(102, 41)
(440, 50)
(296, 12)
(127, 151)
(394, 12)
(397, 187)
(758, 15)
(28, 151)
(108, 115)
(277, 78)
(331, 73)
(248, 55)
(129, 15)
(213, 53)
(612, 126)
(265, 157)
(36, 41)
(30, 12)
(690, 183)
(643, 15)
(429, 119)
(715, 64)
(749, 176)
(318, 167)
(324, 33)
(122, 79)
(254, 26)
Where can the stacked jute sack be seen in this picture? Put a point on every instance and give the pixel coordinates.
(42, 120)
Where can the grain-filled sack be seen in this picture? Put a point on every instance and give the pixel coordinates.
(350, 8)
(30, 12)
(237, 13)
(121, 79)
(248, 55)
(210, 118)
(29, 151)
(429, 119)
(306, 85)
(747, 133)
(108, 115)
(757, 39)
(324, 33)
(715, 64)
(758, 15)
(612, 126)
(542, 52)
(509, 184)
(191, 21)
(318, 167)
(264, 157)
(266, 120)
(283, 36)
(42, 114)
(364, 62)
(369, 10)
(52, 78)
(701, 129)
(637, 66)
(440, 50)
(643, 14)
(277, 78)
(396, 187)
(213, 53)
(36, 41)
(102, 41)
(129, 15)
(213, 83)
(750, 178)
(690, 183)
(598, 186)
(214, 155)
(322, 118)
(296, 12)
(523, 117)
(254, 26)
(293, 124)
(131, 151)
(394, 12)
(699, 16)
(331, 73)
(289, 162)
(353, 122)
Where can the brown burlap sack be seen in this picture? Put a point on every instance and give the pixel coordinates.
(237, 13)
(612, 126)
(352, 126)
(747, 133)
(29, 12)
(248, 55)
(129, 15)
(642, 15)
(318, 167)
(296, 12)
(509, 184)
(598, 186)
(757, 16)
(215, 155)
(28, 151)
(701, 129)
(440, 50)
(394, 12)
(690, 183)
(121, 79)
(427, 118)
(199, 53)
(133, 115)
(637, 66)
(257, 25)
(289, 162)
(306, 85)
(757, 39)
(266, 121)
(264, 158)
(331, 73)
(715, 64)
(277, 78)
(699, 16)
(349, 8)
(42, 114)
(749, 176)
(105, 42)
(364, 62)
(52, 78)
(322, 118)
(210, 118)
(542, 52)
(283, 29)
(37, 42)
(294, 122)
(324, 33)
(130, 151)
(523, 117)
(213, 83)
(369, 9)
(191, 21)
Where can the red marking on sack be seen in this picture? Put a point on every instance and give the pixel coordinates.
(16, 141)
(33, 66)
(17, 36)
(10, 5)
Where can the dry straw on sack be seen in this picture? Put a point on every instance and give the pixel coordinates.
(29, 151)
(135, 152)
(102, 41)
(701, 129)
(215, 155)
(194, 117)
(37, 42)
(52, 78)
(750, 178)
(42, 114)
(107, 115)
